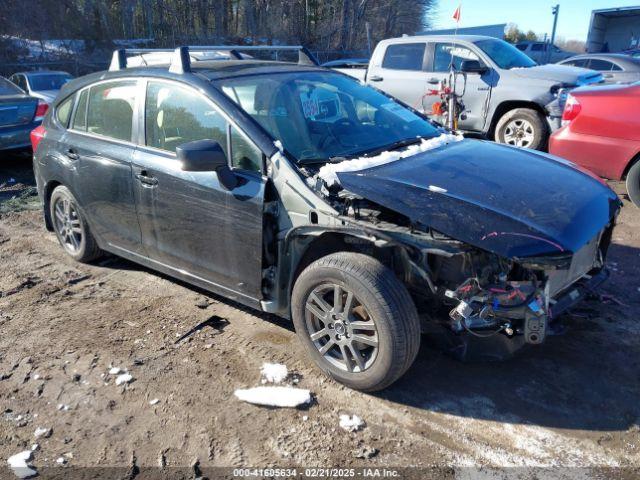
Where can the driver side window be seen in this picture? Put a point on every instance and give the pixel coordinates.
(448, 53)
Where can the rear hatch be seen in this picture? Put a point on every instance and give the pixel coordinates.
(16, 107)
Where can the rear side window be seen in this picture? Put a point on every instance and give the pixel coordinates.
(521, 47)
(602, 65)
(175, 115)
(63, 111)
(404, 56)
(110, 111)
(537, 47)
(80, 118)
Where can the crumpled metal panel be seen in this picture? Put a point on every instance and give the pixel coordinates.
(515, 203)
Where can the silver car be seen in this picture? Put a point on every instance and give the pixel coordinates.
(614, 67)
(44, 84)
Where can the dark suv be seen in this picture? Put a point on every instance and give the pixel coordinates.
(299, 191)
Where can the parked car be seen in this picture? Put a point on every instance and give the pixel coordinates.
(42, 84)
(355, 67)
(18, 116)
(614, 67)
(542, 52)
(508, 97)
(602, 133)
(298, 191)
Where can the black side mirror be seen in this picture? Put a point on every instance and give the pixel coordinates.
(473, 66)
(206, 156)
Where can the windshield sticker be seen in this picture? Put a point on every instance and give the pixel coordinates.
(400, 112)
(320, 105)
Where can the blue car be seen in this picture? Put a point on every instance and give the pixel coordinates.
(18, 116)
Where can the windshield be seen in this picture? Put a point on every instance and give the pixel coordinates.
(8, 88)
(505, 55)
(49, 81)
(321, 115)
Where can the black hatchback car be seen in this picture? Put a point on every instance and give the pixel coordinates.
(299, 191)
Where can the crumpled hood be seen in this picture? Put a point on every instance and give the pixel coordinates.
(559, 74)
(515, 203)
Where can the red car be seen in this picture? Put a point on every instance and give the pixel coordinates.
(601, 131)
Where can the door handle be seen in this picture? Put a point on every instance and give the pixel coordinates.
(376, 78)
(433, 81)
(71, 154)
(144, 178)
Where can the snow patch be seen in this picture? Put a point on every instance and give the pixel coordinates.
(124, 378)
(351, 424)
(114, 371)
(329, 172)
(274, 372)
(274, 396)
(19, 464)
(42, 432)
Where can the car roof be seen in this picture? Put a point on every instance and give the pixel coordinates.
(42, 72)
(207, 70)
(445, 38)
(613, 57)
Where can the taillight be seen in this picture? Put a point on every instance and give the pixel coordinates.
(571, 110)
(37, 134)
(41, 110)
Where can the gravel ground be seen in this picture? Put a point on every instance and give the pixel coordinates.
(572, 402)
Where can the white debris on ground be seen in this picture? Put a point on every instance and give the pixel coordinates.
(274, 396)
(62, 407)
(61, 460)
(329, 172)
(124, 378)
(155, 401)
(274, 372)
(114, 371)
(351, 424)
(19, 463)
(42, 432)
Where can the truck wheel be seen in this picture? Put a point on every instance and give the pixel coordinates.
(356, 320)
(70, 227)
(524, 128)
(633, 183)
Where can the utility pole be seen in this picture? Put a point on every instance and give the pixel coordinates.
(555, 11)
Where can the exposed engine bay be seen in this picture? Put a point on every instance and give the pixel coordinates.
(487, 306)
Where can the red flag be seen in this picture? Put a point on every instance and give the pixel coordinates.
(456, 14)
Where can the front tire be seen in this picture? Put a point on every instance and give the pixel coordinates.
(523, 128)
(633, 183)
(356, 320)
(71, 227)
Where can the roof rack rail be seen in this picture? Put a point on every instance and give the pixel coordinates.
(181, 57)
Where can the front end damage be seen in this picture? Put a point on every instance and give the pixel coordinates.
(473, 303)
(491, 262)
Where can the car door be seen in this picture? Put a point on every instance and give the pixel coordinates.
(478, 86)
(400, 73)
(190, 222)
(98, 147)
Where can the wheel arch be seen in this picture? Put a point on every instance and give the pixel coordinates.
(635, 159)
(507, 106)
(49, 187)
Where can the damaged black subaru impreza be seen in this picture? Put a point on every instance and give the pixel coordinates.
(301, 192)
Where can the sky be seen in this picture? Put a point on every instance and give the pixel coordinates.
(573, 22)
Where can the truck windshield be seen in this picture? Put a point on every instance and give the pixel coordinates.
(322, 115)
(505, 55)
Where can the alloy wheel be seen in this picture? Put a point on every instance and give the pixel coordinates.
(519, 133)
(341, 328)
(67, 224)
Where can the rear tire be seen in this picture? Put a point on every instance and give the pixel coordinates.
(71, 227)
(523, 128)
(633, 183)
(374, 307)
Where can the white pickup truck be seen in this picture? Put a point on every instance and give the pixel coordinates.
(508, 97)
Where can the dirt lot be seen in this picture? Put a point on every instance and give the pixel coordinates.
(573, 402)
